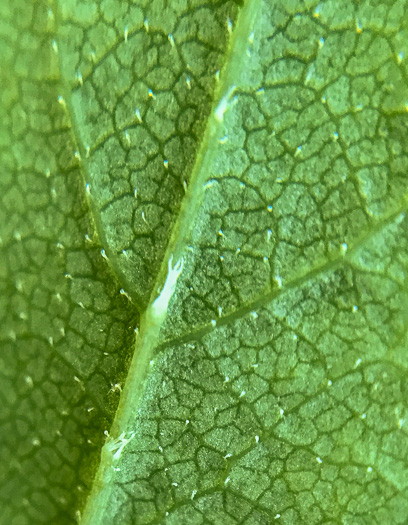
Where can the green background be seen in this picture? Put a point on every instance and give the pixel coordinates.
(263, 144)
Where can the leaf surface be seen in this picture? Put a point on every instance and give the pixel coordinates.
(203, 262)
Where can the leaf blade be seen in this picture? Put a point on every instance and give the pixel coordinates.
(275, 386)
(171, 433)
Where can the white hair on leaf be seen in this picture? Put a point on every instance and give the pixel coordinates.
(116, 446)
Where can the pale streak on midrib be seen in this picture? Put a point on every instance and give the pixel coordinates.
(146, 343)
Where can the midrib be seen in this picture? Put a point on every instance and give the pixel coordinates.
(147, 340)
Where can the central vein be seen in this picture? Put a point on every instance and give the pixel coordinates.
(152, 319)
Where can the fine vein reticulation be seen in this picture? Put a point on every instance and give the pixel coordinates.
(204, 251)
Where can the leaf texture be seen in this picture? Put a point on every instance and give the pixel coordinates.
(203, 265)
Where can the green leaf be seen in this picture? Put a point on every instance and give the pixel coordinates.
(203, 262)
